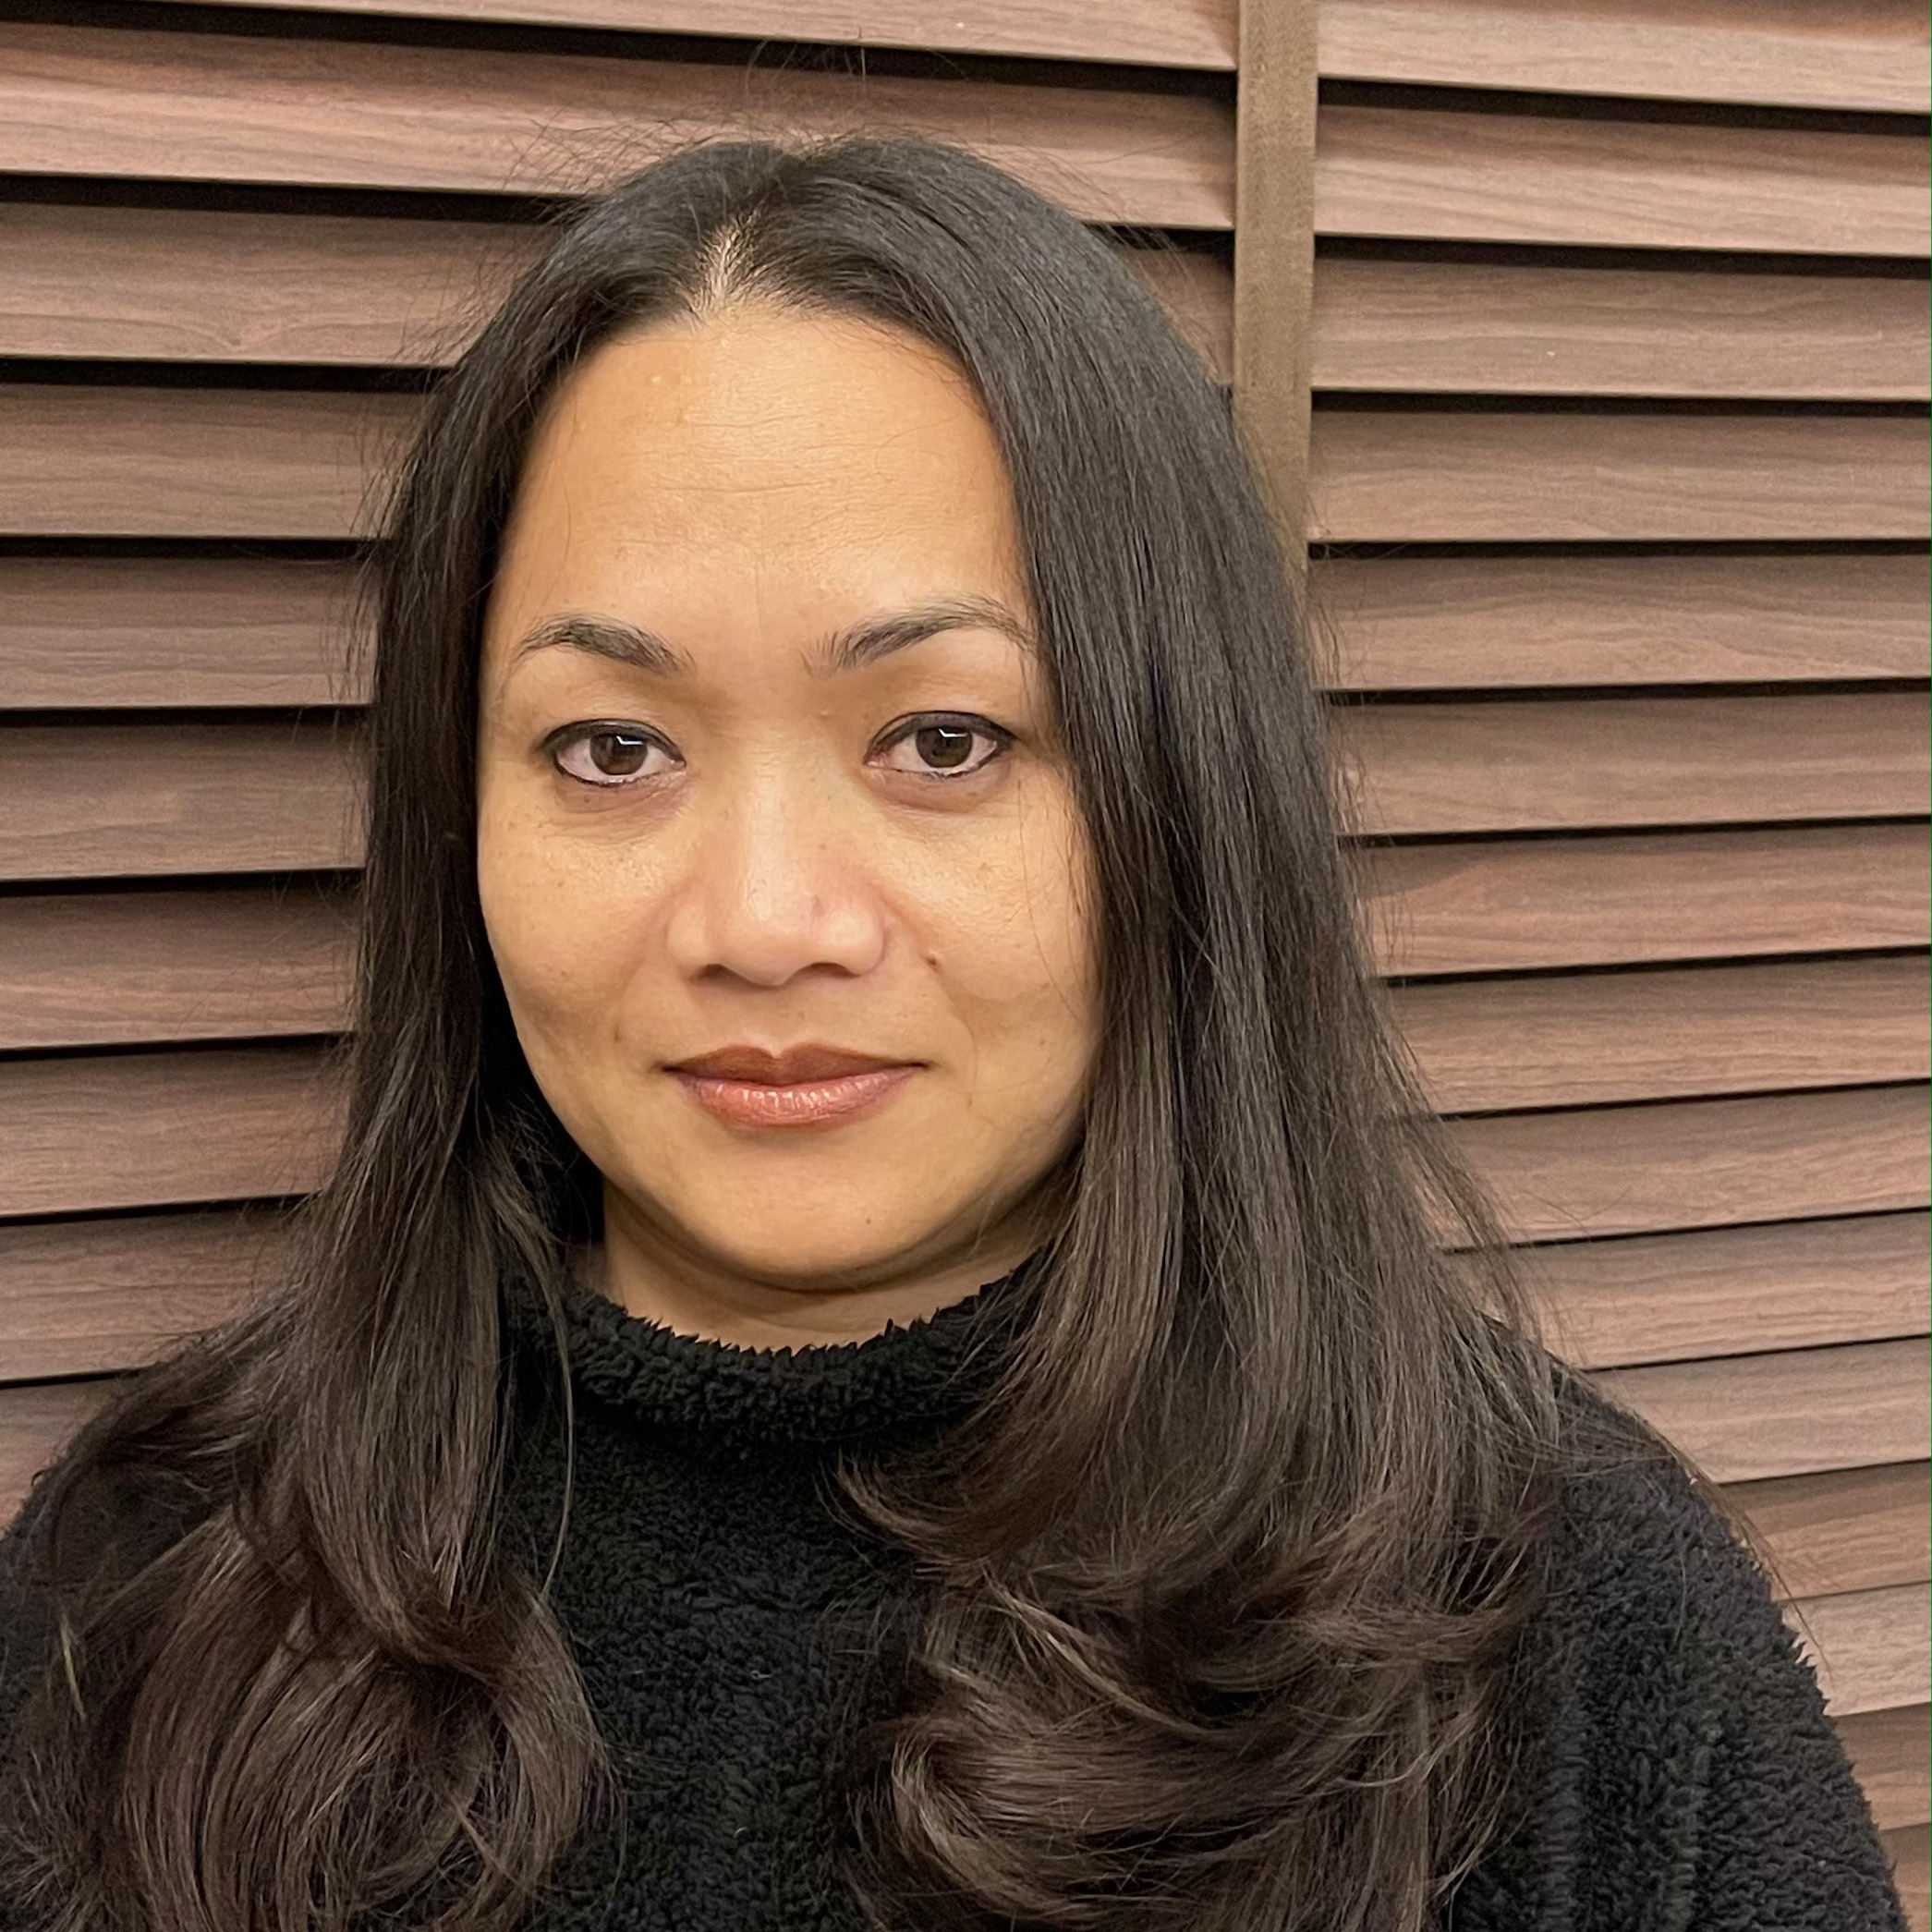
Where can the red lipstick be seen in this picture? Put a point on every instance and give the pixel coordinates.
(803, 1086)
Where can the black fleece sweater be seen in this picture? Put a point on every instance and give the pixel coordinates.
(730, 1623)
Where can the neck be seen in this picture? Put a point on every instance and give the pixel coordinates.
(691, 1293)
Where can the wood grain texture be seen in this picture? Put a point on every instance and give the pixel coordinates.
(216, 107)
(225, 285)
(84, 461)
(1888, 1751)
(1731, 1290)
(34, 1422)
(1617, 183)
(89, 1297)
(1497, 906)
(1786, 1414)
(1845, 1530)
(1869, 54)
(90, 969)
(1570, 1041)
(1558, 764)
(1465, 475)
(1163, 33)
(1499, 328)
(82, 799)
(1872, 1648)
(159, 632)
(1596, 1171)
(1683, 617)
(149, 1130)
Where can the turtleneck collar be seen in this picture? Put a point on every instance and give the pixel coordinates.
(752, 1401)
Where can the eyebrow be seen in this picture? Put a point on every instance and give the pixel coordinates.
(849, 649)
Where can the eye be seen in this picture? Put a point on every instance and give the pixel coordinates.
(610, 754)
(943, 744)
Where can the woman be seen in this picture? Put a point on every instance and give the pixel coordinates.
(882, 1349)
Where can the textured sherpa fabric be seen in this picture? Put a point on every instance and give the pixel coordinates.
(733, 1626)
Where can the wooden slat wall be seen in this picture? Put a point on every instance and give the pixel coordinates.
(1618, 490)
(1616, 493)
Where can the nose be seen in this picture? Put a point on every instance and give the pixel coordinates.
(778, 887)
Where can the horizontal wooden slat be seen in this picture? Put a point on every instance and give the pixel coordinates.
(1568, 1175)
(138, 632)
(1872, 1648)
(1786, 1414)
(1684, 617)
(221, 286)
(88, 1297)
(1731, 1290)
(34, 1422)
(85, 461)
(1461, 475)
(1576, 764)
(144, 1130)
(217, 107)
(80, 799)
(1166, 33)
(1584, 1038)
(1617, 182)
(1501, 328)
(1888, 1751)
(87, 969)
(1845, 1530)
(1497, 906)
(1779, 52)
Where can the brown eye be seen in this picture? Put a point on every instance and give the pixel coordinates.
(945, 748)
(612, 754)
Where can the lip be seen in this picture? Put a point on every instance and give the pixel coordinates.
(803, 1086)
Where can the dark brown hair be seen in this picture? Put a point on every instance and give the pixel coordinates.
(1220, 1582)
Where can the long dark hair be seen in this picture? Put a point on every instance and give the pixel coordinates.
(1217, 1585)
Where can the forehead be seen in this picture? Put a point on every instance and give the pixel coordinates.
(821, 448)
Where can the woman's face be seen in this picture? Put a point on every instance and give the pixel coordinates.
(779, 858)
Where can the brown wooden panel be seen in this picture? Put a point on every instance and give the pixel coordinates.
(1845, 1530)
(83, 461)
(1456, 474)
(88, 101)
(1786, 1414)
(86, 970)
(1575, 1039)
(1687, 618)
(80, 799)
(1731, 1290)
(34, 1422)
(1164, 33)
(1504, 328)
(1909, 1847)
(1497, 906)
(1579, 763)
(1868, 55)
(157, 632)
(1888, 1751)
(218, 286)
(1565, 1176)
(1618, 183)
(87, 1297)
(1872, 1648)
(147, 1130)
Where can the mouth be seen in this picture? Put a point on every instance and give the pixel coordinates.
(803, 1086)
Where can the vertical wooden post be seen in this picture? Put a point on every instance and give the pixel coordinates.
(1274, 254)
